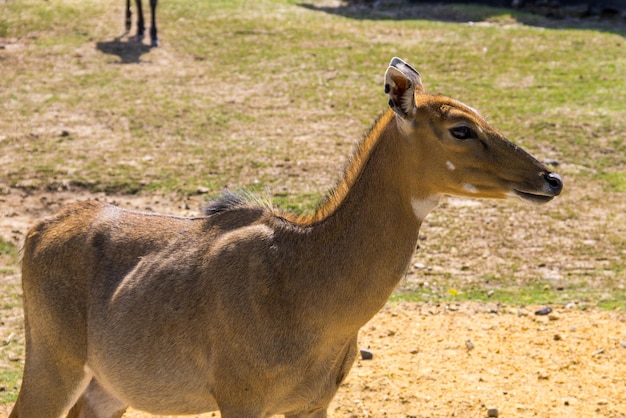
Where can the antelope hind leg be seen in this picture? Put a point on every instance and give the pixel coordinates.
(49, 388)
(95, 402)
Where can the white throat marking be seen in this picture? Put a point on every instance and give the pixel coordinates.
(421, 207)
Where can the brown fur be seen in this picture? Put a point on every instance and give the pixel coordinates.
(247, 310)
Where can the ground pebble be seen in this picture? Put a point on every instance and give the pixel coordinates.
(543, 311)
(493, 412)
(366, 354)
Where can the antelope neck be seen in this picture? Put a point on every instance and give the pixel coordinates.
(365, 245)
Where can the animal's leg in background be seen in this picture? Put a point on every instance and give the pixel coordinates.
(95, 402)
(154, 40)
(127, 22)
(141, 27)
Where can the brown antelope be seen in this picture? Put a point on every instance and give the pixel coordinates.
(246, 309)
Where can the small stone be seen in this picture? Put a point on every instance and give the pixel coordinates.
(202, 190)
(552, 162)
(469, 345)
(622, 343)
(493, 412)
(366, 354)
(603, 402)
(553, 317)
(544, 311)
(65, 133)
(570, 401)
(557, 337)
(419, 266)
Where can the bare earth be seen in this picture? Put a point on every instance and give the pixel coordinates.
(432, 361)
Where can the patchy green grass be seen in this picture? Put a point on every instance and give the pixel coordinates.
(11, 341)
(274, 98)
(536, 293)
(234, 93)
(10, 382)
(9, 257)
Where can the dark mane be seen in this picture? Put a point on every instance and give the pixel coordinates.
(231, 200)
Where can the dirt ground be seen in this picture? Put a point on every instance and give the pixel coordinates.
(457, 360)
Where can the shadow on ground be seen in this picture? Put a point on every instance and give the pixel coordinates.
(463, 13)
(129, 51)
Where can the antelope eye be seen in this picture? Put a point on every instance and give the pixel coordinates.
(462, 132)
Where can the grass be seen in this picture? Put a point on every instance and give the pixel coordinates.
(529, 71)
(11, 345)
(233, 96)
(271, 96)
(274, 98)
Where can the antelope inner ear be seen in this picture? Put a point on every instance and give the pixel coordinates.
(401, 82)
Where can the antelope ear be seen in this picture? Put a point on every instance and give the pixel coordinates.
(401, 83)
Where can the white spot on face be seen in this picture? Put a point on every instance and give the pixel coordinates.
(421, 207)
(450, 166)
(470, 188)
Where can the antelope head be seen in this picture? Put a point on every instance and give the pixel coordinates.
(459, 152)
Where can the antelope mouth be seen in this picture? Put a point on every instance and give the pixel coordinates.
(532, 197)
(552, 187)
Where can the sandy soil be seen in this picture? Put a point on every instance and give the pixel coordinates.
(456, 360)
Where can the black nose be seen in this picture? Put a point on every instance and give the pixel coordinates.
(555, 182)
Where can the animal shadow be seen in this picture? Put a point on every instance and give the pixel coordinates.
(129, 51)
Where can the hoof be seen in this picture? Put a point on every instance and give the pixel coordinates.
(154, 43)
(138, 37)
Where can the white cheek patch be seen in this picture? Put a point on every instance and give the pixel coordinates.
(450, 166)
(421, 207)
(470, 188)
